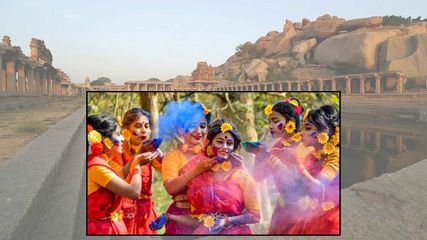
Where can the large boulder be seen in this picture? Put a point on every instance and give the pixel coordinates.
(301, 48)
(256, 69)
(354, 52)
(354, 24)
(324, 27)
(267, 40)
(282, 43)
(407, 54)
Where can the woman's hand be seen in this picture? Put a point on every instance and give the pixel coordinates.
(145, 158)
(219, 225)
(273, 162)
(204, 165)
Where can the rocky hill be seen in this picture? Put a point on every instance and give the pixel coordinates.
(330, 46)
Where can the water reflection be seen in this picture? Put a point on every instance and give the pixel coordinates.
(374, 146)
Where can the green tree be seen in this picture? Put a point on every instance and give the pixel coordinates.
(101, 81)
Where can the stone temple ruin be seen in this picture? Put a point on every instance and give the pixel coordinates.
(35, 75)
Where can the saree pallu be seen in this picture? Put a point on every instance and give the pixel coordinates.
(104, 214)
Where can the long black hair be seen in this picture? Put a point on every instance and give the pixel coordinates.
(215, 128)
(325, 118)
(104, 124)
(286, 109)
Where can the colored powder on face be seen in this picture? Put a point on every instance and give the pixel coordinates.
(280, 126)
(183, 114)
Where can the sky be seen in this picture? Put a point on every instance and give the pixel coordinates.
(137, 40)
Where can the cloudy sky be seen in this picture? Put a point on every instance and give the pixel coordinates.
(136, 40)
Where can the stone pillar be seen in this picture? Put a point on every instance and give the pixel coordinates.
(320, 84)
(333, 84)
(308, 85)
(37, 82)
(362, 138)
(43, 80)
(10, 77)
(400, 144)
(21, 77)
(362, 85)
(377, 84)
(289, 86)
(30, 81)
(377, 141)
(399, 84)
(347, 137)
(2, 78)
(348, 85)
(298, 86)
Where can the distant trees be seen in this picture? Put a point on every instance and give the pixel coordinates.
(249, 49)
(101, 81)
(393, 20)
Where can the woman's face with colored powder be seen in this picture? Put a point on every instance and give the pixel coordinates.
(223, 145)
(309, 134)
(117, 139)
(140, 130)
(196, 135)
(276, 123)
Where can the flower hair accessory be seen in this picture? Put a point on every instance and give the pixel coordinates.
(95, 140)
(298, 108)
(306, 115)
(226, 127)
(290, 127)
(268, 110)
(206, 111)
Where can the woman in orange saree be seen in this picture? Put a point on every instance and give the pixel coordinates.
(106, 186)
(137, 214)
(188, 122)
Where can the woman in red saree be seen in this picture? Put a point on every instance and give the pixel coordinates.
(318, 172)
(105, 184)
(188, 122)
(137, 214)
(222, 200)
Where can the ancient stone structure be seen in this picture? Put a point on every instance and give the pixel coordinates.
(357, 84)
(31, 76)
(148, 86)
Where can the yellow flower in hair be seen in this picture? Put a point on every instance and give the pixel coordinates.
(290, 127)
(126, 134)
(294, 102)
(108, 143)
(116, 215)
(268, 110)
(328, 148)
(94, 137)
(226, 127)
(209, 221)
(323, 138)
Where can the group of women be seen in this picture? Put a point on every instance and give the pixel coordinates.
(212, 190)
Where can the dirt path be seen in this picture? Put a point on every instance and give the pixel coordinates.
(21, 125)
